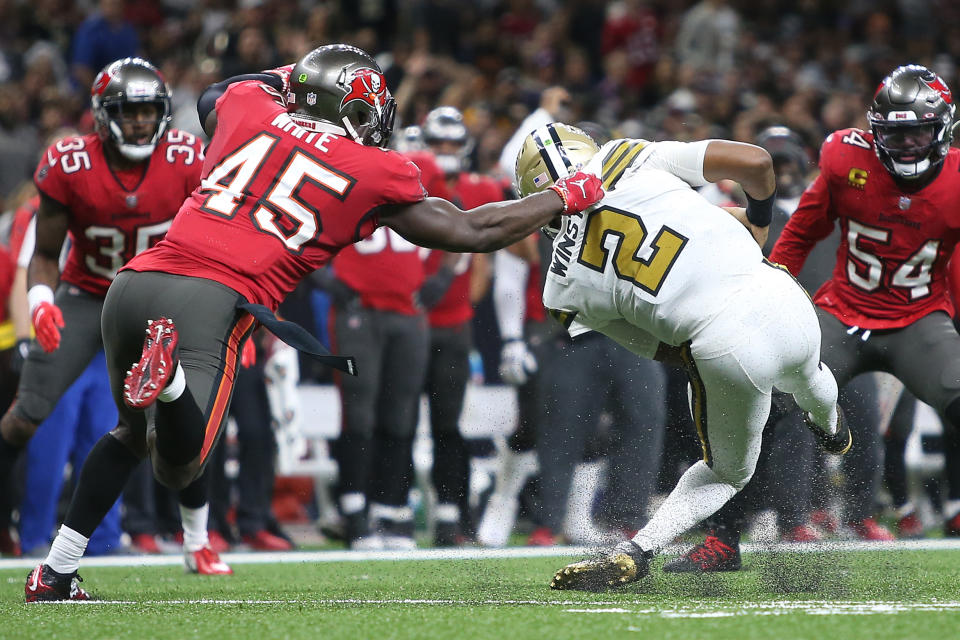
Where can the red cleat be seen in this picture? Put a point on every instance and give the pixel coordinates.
(825, 520)
(144, 543)
(205, 562)
(870, 529)
(46, 585)
(263, 540)
(709, 556)
(543, 537)
(217, 542)
(951, 527)
(909, 526)
(147, 378)
(803, 533)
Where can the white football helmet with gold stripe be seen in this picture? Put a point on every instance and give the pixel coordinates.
(549, 153)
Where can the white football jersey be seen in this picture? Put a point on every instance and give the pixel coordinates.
(652, 252)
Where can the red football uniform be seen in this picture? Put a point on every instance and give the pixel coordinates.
(471, 190)
(385, 269)
(892, 262)
(115, 214)
(277, 201)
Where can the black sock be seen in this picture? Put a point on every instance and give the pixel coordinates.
(353, 454)
(180, 429)
(951, 449)
(895, 469)
(102, 479)
(393, 461)
(196, 494)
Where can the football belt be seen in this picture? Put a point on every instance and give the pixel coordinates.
(298, 337)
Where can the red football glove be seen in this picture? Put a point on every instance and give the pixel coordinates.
(579, 191)
(248, 357)
(47, 322)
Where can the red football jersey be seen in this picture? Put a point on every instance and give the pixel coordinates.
(471, 190)
(277, 201)
(892, 262)
(385, 269)
(114, 214)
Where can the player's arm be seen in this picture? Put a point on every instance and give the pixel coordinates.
(760, 234)
(43, 273)
(752, 167)
(439, 224)
(207, 102)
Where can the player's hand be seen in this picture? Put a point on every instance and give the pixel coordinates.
(517, 364)
(556, 102)
(47, 322)
(579, 191)
(248, 357)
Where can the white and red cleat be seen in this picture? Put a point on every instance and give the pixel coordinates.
(205, 562)
(46, 585)
(147, 378)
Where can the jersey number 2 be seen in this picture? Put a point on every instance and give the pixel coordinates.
(282, 212)
(606, 224)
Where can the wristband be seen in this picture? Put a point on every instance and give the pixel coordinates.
(760, 212)
(37, 295)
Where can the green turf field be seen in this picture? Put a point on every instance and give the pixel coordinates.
(909, 595)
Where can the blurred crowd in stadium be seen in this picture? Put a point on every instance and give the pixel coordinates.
(652, 69)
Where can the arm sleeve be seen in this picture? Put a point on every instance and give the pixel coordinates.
(809, 224)
(682, 159)
(208, 99)
(510, 274)
(508, 157)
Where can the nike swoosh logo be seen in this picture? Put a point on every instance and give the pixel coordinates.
(36, 580)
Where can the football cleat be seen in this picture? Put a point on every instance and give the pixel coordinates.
(803, 533)
(870, 529)
(263, 540)
(609, 569)
(205, 562)
(544, 537)
(709, 556)
(825, 520)
(147, 378)
(909, 526)
(836, 443)
(951, 528)
(46, 585)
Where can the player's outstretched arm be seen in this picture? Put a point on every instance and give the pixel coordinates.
(439, 224)
(752, 167)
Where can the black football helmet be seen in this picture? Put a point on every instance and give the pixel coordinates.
(120, 84)
(446, 125)
(342, 86)
(912, 122)
(791, 160)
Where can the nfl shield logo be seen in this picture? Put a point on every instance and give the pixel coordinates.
(904, 203)
(311, 98)
(132, 200)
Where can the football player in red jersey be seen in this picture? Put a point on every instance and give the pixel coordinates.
(115, 191)
(455, 284)
(886, 306)
(294, 172)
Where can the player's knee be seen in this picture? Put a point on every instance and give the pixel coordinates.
(737, 477)
(16, 429)
(172, 476)
(132, 439)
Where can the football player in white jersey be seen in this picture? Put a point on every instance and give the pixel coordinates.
(657, 268)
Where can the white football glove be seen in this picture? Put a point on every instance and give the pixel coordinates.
(517, 363)
(282, 373)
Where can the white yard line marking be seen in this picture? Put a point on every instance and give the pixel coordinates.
(473, 553)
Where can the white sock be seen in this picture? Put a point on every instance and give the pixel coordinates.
(447, 512)
(699, 493)
(175, 387)
(353, 502)
(951, 508)
(194, 523)
(66, 550)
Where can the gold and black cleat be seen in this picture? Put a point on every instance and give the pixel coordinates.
(837, 443)
(609, 569)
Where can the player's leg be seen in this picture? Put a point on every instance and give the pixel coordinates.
(447, 374)
(895, 467)
(47, 376)
(97, 411)
(925, 356)
(358, 332)
(404, 368)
